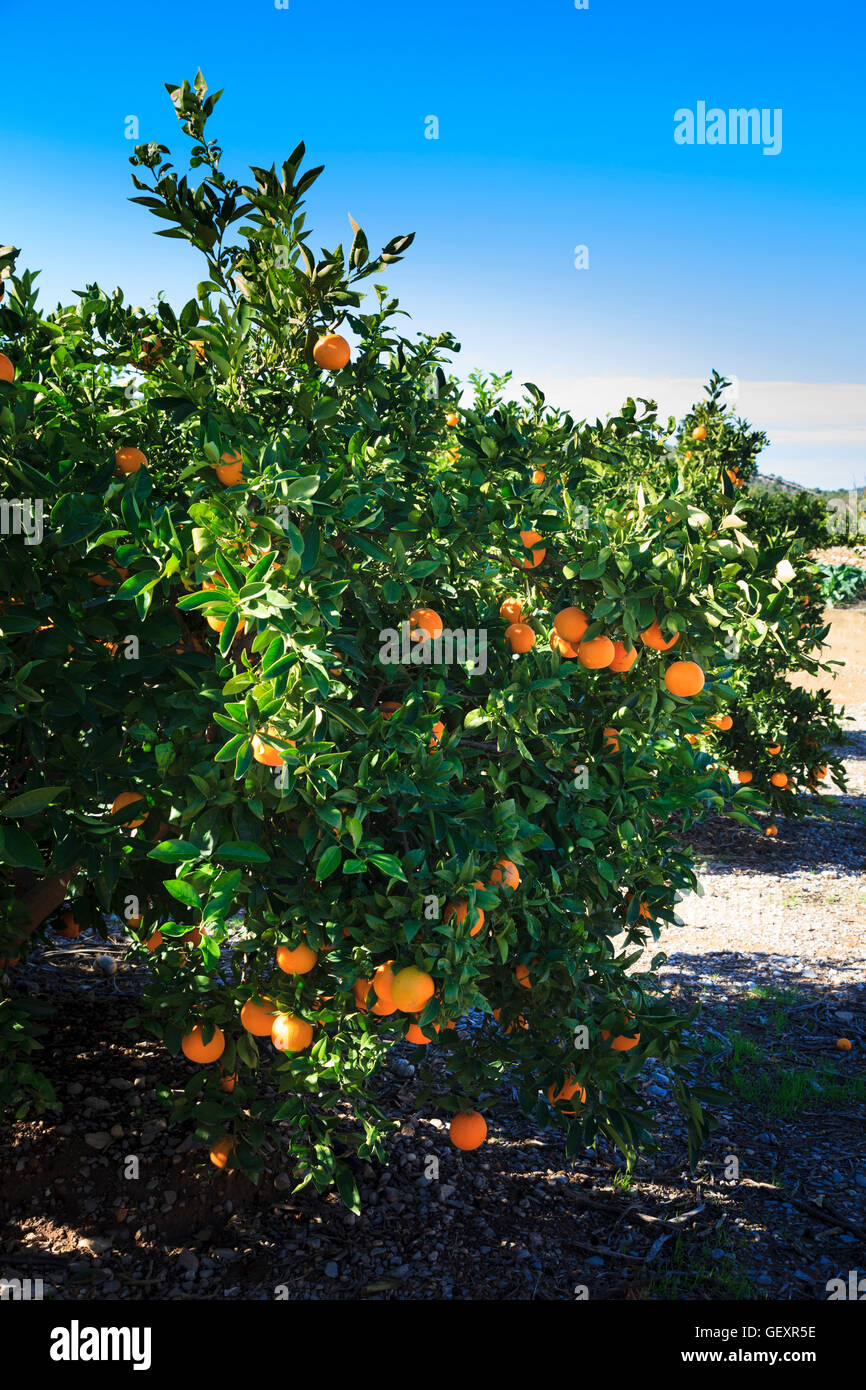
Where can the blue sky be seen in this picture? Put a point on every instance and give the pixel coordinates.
(556, 129)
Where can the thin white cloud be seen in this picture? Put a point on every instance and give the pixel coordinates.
(817, 430)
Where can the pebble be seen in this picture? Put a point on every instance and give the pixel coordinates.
(99, 1140)
(332, 1270)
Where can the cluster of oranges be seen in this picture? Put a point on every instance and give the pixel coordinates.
(682, 678)
(407, 990)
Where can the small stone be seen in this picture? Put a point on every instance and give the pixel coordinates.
(98, 1140)
(332, 1270)
(116, 1131)
(282, 1182)
(96, 1245)
(188, 1260)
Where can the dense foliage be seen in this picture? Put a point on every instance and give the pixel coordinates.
(203, 627)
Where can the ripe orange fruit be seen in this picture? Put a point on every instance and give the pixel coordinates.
(7, 371)
(459, 912)
(520, 637)
(468, 1130)
(511, 609)
(623, 660)
(128, 799)
(772, 831)
(844, 1044)
(438, 733)
(684, 678)
(228, 1082)
(611, 739)
(219, 623)
(105, 583)
(522, 976)
(361, 989)
(411, 988)
(819, 772)
(699, 432)
(265, 753)
(424, 624)
(221, 1151)
(71, 928)
(532, 541)
(558, 644)
(597, 653)
(570, 624)
(744, 777)
(230, 469)
(298, 960)
(774, 748)
(509, 1027)
(332, 352)
(655, 638)
(569, 1088)
(155, 941)
(779, 779)
(388, 707)
(129, 460)
(453, 419)
(538, 476)
(6, 962)
(257, 1016)
(193, 1046)
(621, 1044)
(509, 869)
(383, 979)
(414, 1034)
(290, 1033)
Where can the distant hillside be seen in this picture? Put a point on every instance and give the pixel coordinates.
(771, 482)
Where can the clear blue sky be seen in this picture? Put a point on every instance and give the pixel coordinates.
(555, 129)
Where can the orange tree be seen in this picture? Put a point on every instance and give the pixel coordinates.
(782, 737)
(245, 710)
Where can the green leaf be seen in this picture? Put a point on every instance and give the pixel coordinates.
(19, 850)
(329, 862)
(389, 865)
(241, 852)
(183, 892)
(303, 488)
(30, 803)
(174, 852)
